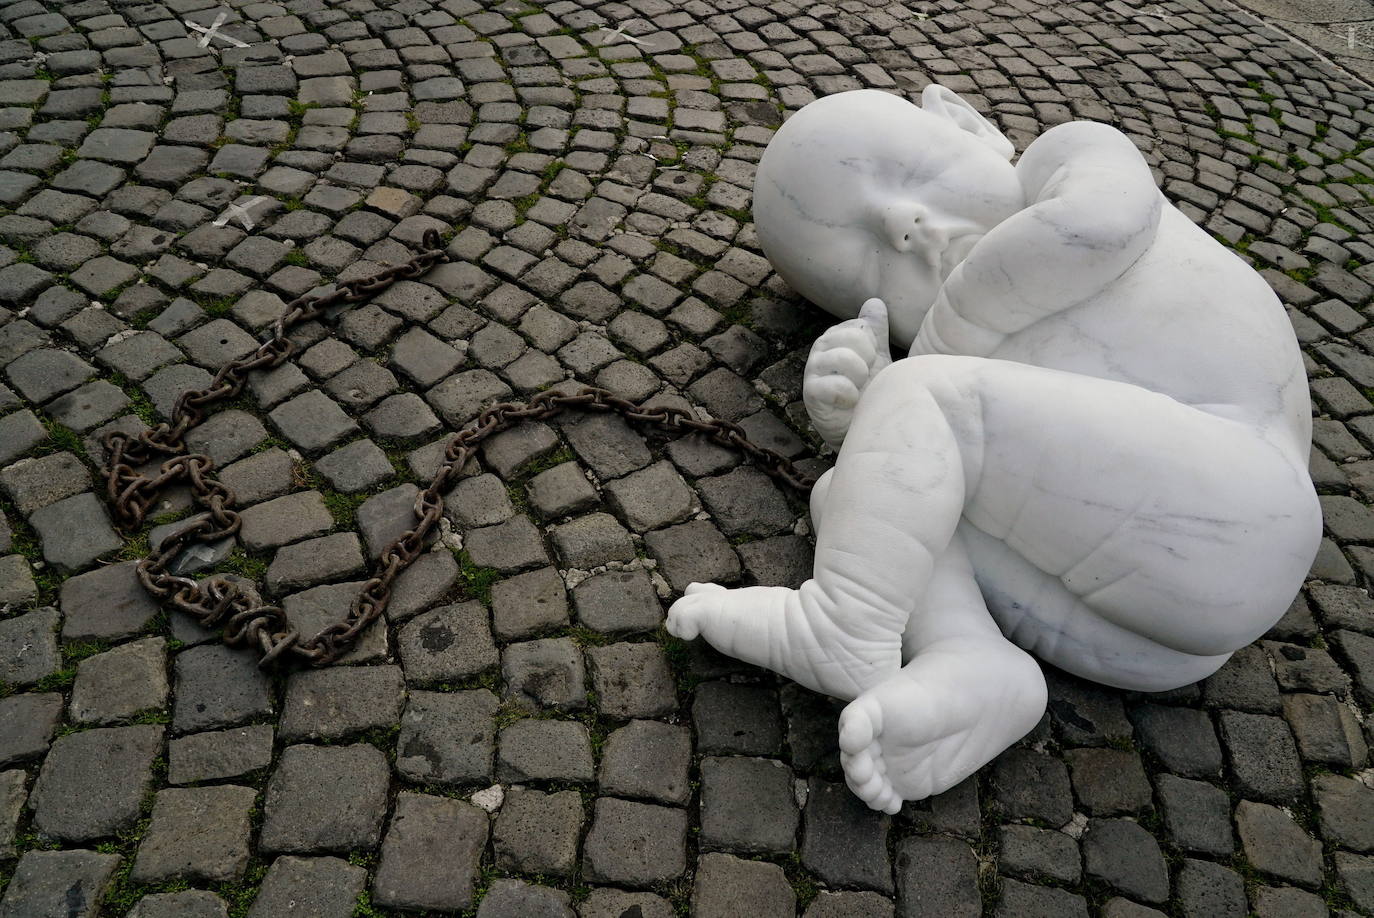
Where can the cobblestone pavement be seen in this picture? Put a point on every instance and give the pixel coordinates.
(522, 738)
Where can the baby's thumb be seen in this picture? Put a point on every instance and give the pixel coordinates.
(873, 314)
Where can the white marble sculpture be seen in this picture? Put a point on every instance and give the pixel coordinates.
(1096, 451)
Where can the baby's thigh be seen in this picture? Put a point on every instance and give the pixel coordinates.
(1185, 528)
(1039, 614)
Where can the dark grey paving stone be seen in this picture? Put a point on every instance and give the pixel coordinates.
(227, 435)
(27, 724)
(447, 738)
(592, 540)
(28, 647)
(632, 680)
(726, 886)
(735, 719)
(385, 517)
(359, 466)
(197, 834)
(1209, 889)
(67, 883)
(1326, 731)
(325, 798)
(937, 877)
(648, 759)
(1287, 902)
(259, 477)
(544, 750)
(1126, 857)
(75, 532)
(13, 793)
(217, 686)
(310, 611)
(322, 887)
(1356, 874)
(547, 673)
(784, 560)
(431, 854)
(1263, 756)
(849, 905)
(314, 561)
(19, 433)
(121, 682)
(35, 483)
(481, 500)
(747, 805)
(1245, 683)
(283, 520)
(421, 586)
(1345, 811)
(1197, 815)
(341, 701)
(1275, 844)
(92, 783)
(605, 902)
(635, 844)
(518, 899)
(693, 552)
(189, 903)
(1032, 785)
(108, 603)
(17, 587)
(508, 547)
(537, 834)
(618, 602)
(1108, 781)
(746, 502)
(607, 444)
(1183, 739)
(561, 491)
(41, 374)
(1022, 900)
(844, 843)
(652, 498)
(447, 644)
(1026, 851)
(313, 421)
(528, 603)
(219, 754)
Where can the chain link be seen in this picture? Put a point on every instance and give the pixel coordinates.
(232, 604)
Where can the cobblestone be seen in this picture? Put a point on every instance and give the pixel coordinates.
(325, 799)
(92, 783)
(590, 248)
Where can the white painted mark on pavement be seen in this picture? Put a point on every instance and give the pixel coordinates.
(213, 31)
(240, 211)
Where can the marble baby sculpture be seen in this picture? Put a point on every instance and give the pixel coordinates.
(1095, 452)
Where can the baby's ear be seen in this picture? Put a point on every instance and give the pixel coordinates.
(946, 103)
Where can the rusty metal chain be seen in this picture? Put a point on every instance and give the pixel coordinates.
(219, 601)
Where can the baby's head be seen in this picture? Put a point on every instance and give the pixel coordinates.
(863, 194)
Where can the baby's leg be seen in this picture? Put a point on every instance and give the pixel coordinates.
(966, 694)
(891, 505)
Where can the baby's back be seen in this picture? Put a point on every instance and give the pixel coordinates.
(1193, 321)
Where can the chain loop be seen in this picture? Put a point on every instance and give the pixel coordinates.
(233, 604)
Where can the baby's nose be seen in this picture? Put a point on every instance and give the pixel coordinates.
(908, 225)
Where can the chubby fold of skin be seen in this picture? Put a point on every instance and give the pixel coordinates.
(1095, 452)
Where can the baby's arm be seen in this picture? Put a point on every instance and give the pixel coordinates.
(1093, 210)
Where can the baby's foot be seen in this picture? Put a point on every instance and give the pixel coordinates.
(947, 713)
(798, 633)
